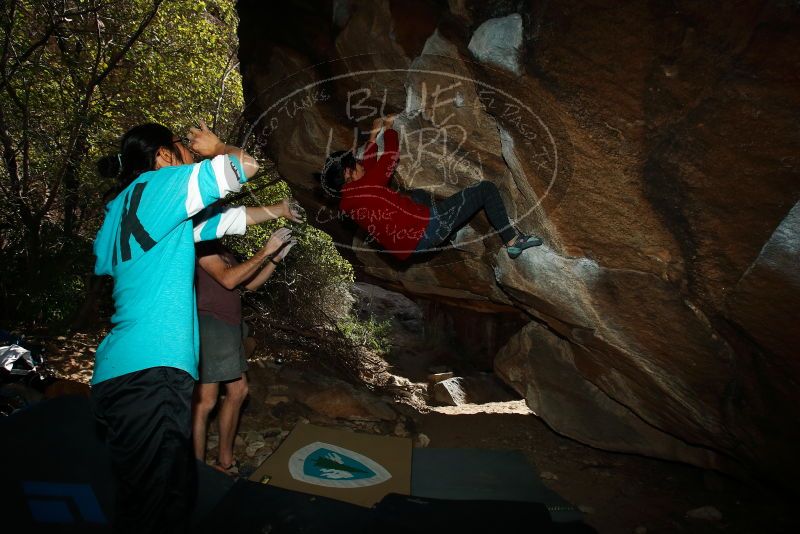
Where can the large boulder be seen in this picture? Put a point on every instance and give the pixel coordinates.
(653, 146)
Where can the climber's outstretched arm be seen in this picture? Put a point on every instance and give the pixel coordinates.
(378, 170)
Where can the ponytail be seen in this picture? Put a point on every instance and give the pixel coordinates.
(138, 152)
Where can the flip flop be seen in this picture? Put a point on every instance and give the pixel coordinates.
(522, 242)
(231, 470)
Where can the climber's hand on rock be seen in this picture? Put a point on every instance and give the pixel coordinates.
(205, 142)
(377, 124)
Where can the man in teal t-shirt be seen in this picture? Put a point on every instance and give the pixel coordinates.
(147, 244)
(146, 366)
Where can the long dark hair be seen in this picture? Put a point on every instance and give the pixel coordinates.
(332, 175)
(137, 155)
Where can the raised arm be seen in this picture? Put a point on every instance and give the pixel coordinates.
(287, 208)
(161, 200)
(381, 170)
(370, 156)
(204, 142)
(231, 276)
(215, 222)
(261, 277)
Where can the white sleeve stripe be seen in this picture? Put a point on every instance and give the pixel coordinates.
(196, 231)
(233, 221)
(218, 166)
(194, 201)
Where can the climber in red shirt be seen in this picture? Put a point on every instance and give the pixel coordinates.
(399, 223)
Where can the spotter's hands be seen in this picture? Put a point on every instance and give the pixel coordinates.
(293, 211)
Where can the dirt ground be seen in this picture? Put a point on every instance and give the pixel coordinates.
(619, 493)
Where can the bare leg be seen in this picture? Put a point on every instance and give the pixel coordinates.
(235, 393)
(249, 343)
(203, 401)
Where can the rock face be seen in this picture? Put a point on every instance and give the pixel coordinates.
(654, 147)
(497, 42)
(336, 398)
(543, 368)
(478, 389)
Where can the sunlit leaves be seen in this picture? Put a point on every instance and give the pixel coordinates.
(56, 48)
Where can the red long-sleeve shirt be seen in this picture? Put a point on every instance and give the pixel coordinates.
(393, 220)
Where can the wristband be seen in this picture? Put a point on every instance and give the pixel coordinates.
(267, 259)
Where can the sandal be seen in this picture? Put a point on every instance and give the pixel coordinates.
(522, 242)
(231, 470)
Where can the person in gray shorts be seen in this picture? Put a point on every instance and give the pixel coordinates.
(224, 336)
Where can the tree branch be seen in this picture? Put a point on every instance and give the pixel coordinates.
(79, 124)
(225, 73)
(9, 154)
(9, 29)
(112, 64)
(19, 60)
(10, 158)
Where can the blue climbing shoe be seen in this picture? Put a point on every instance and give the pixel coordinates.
(522, 242)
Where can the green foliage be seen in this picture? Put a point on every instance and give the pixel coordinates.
(59, 291)
(62, 111)
(74, 76)
(311, 287)
(369, 333)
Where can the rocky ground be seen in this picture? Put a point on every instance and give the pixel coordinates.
(617, 492)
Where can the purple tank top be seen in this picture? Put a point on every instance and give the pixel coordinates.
(212, 298)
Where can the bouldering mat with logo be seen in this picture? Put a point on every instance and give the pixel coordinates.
(351, 467)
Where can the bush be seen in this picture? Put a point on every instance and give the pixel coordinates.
(311, 295)
(370, 333)
(312, 286)
(45, 291)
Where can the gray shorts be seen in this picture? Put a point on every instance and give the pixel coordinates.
(222, 355)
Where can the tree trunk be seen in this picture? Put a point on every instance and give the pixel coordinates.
(33, 254)
(72, 186)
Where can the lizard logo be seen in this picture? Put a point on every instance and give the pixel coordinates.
(323, 464)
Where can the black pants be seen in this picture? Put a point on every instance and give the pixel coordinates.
(452, 213)
(147, 418)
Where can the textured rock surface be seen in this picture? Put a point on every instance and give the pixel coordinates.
(654, 147)
(481, 388)
(336, 398)
(544, 369)
(498, 42)
(450, 392)
(378, 303)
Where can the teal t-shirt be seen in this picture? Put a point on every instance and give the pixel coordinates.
(146, 244)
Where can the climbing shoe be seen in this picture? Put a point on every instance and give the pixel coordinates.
(522, 242)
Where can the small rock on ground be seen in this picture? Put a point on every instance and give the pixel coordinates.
(705, 513)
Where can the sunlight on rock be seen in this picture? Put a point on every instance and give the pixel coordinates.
(498, 42)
